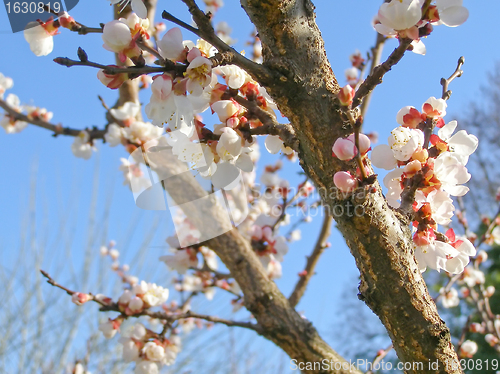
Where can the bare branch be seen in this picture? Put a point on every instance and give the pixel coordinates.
(312, 261)
(57, 129)
(445, 82)
(132, 70)
(158, 315)
(375, 60)
(379, 357)
(247, 325)
(375, 78)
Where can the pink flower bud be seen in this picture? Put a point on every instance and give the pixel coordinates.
(80, 298)
(364, 142)
(412, 167)
(103, 299)
(464, 291)
(344, 181)
(344, 149)
(66, 21)
(160, 27)
(232, 122)
(476, 327)
(226, 109)
(346, 95)
(267, 233)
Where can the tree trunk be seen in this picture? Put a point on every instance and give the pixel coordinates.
(379, 238)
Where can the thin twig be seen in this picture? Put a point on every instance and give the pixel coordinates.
(133, 70)
(490, 228)
(57, 129)
(271, 125)
(378, 73)
(453, 279)
(145, 47)
(465, 330)
(286, 204)
(446, 82)
(379, 357)
(77, 27)
(169, 317)
(312, 261)
(356, 125)
(375, 61)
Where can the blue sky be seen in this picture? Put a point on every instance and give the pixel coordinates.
(64, 183)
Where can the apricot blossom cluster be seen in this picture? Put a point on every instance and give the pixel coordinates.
(432, 168)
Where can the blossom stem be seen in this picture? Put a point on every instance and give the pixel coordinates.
(151, 50)
(356, 124)
(78, 27)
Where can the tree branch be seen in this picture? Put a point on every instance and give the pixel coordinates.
(446, 82)
(206, 31)
(169, 317)
(312, 261)
(56, 129)
(271, 125)
(375, 61)
(132, 70)
(375, 78)
(379, 238)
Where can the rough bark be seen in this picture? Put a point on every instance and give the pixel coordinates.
(379, 239)
(280, 322)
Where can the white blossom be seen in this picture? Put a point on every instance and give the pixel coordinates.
(81, 146)
(153, 351)
(399, 16)
(449, 299)
(146, 367)
(451, 12)
(40, 40)
(5, 84)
